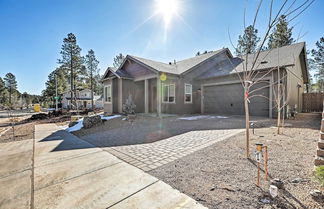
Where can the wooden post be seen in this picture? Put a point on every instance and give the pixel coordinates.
(258, 179)
(266, 163)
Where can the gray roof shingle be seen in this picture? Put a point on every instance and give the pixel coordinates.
(180, 66)
(283, 56)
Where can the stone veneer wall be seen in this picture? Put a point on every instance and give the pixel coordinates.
(319, 160)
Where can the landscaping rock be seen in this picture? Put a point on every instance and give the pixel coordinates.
(266, 200)
(298, 180)
(316, 193)
(89, 122)
(278, 183)
(72, 123)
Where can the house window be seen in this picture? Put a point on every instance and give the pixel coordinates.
(188, 93)
(168, 93)
(107, 93)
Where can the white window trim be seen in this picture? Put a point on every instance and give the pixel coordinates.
(167, 102)
(186, 94)
(105, 94)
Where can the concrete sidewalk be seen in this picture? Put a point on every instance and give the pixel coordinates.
(71, 173)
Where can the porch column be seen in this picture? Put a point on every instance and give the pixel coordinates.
(146, 95)
(120, 95)
(158, 95)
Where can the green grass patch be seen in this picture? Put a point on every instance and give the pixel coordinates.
(319, 174)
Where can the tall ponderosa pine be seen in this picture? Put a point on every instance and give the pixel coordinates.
(11, 85)
(72, 62)
(62, 83)
(3, 93)
(248, 42)
(118, 60)
(281, 35)
(318, 63)
(92, 71)
(2, 85)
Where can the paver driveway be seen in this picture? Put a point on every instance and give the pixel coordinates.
(152, 155)
(181, 136)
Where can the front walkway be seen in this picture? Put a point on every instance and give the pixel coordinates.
(63, 171)
(153, 155)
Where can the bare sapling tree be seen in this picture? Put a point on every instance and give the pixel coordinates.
(280, 100)
(248, 74)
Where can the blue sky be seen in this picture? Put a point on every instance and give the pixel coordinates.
(32, 31)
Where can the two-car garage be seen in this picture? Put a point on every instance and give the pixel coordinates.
(229, 99)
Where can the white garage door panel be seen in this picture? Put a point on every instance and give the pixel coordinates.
(228, 99)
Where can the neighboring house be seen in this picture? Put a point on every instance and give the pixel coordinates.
(208, 83)
(83, 99)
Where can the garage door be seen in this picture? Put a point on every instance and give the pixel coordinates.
(228, 99)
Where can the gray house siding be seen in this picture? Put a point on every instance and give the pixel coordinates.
(179, 106)
(295, 79)
(136, 70)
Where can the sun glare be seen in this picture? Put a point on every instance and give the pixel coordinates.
(167, 9)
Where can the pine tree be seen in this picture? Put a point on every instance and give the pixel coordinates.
(73, 63)
(281, 35)
(3, 92)
(11, 85)
(118, 60)
(62, 84)
(318, 63)
(2, 85)
(92, 71)
(248, 43)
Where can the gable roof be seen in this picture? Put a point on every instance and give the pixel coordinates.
(283, 56)
(117, 73)
(175, 68)
(269, 59)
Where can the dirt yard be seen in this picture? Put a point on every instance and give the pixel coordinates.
(18, 133)
(221, 177)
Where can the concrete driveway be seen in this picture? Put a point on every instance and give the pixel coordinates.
(58, 170)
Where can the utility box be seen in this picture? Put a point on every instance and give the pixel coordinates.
(37, 108)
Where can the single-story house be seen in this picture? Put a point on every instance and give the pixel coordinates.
(208, 83)
(83, 99)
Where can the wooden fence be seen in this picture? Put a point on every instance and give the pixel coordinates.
(313, 102)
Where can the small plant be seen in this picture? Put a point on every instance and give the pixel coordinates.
(319, 174)
(129, 106)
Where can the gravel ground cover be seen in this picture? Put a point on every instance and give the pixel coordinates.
(220, 176)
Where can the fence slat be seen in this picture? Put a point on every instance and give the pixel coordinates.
(313, 102)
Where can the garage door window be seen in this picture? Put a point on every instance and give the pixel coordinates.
(168, 93)
(107, 93)
(188, 93)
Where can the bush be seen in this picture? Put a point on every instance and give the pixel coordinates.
(129, 106)
(319, 174)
